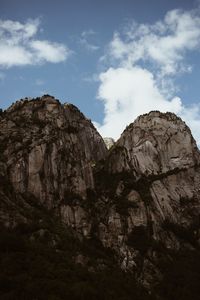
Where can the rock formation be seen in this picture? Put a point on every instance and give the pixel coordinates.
(140, 199)
(150, 181)
(49, 150)
(109, 142)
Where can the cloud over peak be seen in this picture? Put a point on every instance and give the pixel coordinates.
(142, 63)
(128, 93)
(19, 45)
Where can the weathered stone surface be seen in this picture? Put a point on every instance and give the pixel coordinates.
(155, 144)
(140, 199)
(109, 142)
(154, 176)
(49, 149)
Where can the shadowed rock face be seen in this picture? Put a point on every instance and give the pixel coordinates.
(141, 198)
(153, 193)
(48, 150)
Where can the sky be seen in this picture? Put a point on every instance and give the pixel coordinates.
(113, 59)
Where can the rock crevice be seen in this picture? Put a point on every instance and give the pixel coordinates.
(140, 198)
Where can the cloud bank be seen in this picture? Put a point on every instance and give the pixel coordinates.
(142, 63)
(19, 45)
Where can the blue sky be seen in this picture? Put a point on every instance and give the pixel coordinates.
(113, 59)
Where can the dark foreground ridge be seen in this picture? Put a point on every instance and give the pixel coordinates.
(78, 221)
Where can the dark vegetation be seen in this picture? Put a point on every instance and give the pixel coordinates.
(181, 277)
(139, 239)
(34, 270)
(188, 234)
(123, 205)
(37, 261)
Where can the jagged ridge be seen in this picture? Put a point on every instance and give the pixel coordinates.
(140, 199)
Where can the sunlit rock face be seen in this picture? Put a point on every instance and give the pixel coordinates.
(150, 181)
(140, 199)
(109, 142)
(157, 143)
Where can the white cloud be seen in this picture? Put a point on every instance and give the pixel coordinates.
(127, 93)
(45, 50)
(191, 115)
(163, 43)
(19, 45)
(142, 66)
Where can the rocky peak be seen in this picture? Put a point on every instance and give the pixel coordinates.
(49, 149)
(156, 143)
(151, 181)
(140, 200)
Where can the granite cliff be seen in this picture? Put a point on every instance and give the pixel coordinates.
(135, 206)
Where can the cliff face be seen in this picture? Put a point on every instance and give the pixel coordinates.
(150, 181)
(48, 150)
(140, 199)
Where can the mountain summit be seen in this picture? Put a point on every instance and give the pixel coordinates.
(132, 211)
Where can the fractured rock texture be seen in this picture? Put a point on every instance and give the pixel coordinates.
(140, 199)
